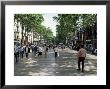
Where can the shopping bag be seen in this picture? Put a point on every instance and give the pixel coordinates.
(58, 54)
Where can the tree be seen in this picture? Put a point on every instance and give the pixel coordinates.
(28, 22)
(68, 24)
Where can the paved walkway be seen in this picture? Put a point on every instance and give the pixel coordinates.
(47, 65)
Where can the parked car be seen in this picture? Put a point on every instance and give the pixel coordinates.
(92, 49)
(60, 45)
(88, 47)
(95, 52)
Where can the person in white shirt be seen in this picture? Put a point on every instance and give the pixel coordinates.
(45, 49)
(21, 51)
(56, 51)
(27, 50)
(40, 50)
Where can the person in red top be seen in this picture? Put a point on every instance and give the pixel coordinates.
(81, 57)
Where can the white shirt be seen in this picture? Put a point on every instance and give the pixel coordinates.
(26, 49)
(56, 49)
(44, 48)
(16, 49)
(40, 49)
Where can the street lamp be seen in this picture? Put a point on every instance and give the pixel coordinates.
(76, 38)
(81, 34)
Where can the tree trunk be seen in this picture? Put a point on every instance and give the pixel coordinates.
(22, 33)
(17, 25)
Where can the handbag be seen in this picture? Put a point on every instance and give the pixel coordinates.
(58, 54)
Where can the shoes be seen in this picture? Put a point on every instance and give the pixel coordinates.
(82, 71)
(78, 69)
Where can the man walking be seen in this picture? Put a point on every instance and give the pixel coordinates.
(27, 50)
(45, 49)
(16, 53)
(35, 50)
(81, 57)
(40, 50)
(56, 52)
(21, 51)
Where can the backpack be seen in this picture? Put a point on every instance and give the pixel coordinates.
(16, 49)
(28, 50)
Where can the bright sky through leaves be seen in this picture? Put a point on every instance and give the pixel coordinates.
(49, 22)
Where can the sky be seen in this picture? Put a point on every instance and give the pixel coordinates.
(50, 22)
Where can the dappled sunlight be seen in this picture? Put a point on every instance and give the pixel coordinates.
(91, 56)
(38, 74)
(89, 62)
(69, 66)
(30, 65)
(42, 72)
(45, 70)
(47, 65)
(54, 64)
(87, 68)
(33, 74)
(92, 67)
(30, 61)
(63, 66)
(67, 57)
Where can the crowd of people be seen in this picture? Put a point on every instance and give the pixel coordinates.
(21, 51)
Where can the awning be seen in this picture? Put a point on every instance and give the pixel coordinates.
(88, 40)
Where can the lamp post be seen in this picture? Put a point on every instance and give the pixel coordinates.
(81, 35)
(76, 38)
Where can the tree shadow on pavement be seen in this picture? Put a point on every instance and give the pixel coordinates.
(64, 65)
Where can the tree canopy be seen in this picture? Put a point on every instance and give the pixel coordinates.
(67, 24)
(33, 23)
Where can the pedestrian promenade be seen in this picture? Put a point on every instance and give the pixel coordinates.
(47, 65)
